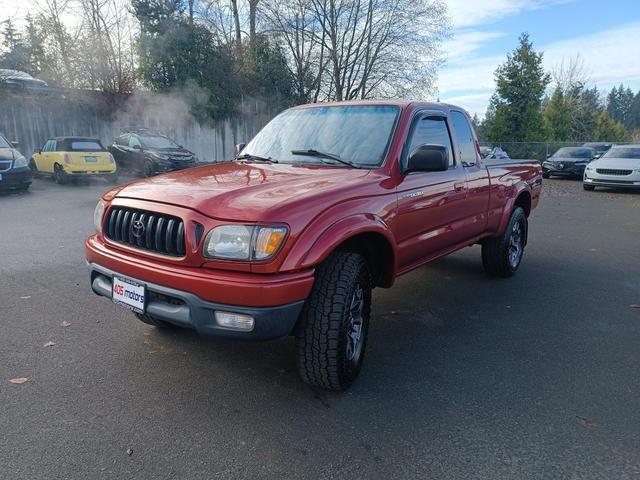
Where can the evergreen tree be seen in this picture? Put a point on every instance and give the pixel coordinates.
(177, 54)
(16, 55)
(558, 117)
(608, 130)
(521, 82)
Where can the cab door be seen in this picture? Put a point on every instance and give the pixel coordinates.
(478, 187)
(431, 205)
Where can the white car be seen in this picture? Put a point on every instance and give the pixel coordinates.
(618, 168)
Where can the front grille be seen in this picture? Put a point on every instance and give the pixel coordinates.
(612, 171)
(151, 231)
(5, 165)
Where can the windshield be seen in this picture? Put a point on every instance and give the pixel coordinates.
(4, 143)
(86, 146)
(623, 152)
(356, 133)
(158, 142)
(573, 153)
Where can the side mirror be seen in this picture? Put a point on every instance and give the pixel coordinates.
(597, 156)
(548, 155)
(428, 158)
(15, 144)
(239, 148)
(137, 147)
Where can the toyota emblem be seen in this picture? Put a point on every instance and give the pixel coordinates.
(137, 229)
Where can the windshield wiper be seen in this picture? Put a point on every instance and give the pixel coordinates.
(332, 156)
(256, 158)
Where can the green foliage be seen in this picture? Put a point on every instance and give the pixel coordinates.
(16, 55)
(516, 104)
(557, 117)
(609, 130)
(620, 104)
(178, 55)
(265, 71)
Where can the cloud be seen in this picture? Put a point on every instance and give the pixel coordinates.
(464, 43)
(610, 57)
(467, 13)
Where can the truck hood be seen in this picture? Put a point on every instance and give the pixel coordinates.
(250, 192)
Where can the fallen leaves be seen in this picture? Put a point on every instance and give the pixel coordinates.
(19, 380)
(66, 324)
(587, 422)
(49, 344)
(25, 297)
(129, 451)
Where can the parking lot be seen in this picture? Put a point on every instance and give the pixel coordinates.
(466, 376)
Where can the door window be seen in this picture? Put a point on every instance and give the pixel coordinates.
(466, 142)
(432, 131)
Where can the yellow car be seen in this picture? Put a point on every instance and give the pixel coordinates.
(74, 157)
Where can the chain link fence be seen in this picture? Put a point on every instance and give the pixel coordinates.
(533, 150)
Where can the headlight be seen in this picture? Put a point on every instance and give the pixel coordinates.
(159, 156)
(20, 162)
(243, 242)
(98, 213)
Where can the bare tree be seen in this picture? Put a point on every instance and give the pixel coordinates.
(294, 24)
(371, 47)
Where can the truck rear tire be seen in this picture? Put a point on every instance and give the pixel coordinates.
(501, 256)
(332, 332)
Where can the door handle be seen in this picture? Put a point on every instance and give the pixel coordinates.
(459, 187)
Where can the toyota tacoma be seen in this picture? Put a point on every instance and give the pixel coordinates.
(325, 203)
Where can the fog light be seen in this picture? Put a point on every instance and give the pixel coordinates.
(235, 321)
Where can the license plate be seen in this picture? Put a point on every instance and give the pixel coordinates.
(128, 293)
(90, 159)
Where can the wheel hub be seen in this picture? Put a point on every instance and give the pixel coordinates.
(515, 245)
(355, 337)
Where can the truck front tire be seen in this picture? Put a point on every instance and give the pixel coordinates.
(501, 256)
(332, 332)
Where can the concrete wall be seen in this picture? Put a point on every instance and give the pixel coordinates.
(32, 117)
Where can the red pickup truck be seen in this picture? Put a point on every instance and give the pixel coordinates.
(327, 202)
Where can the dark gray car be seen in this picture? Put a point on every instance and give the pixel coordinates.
(568, 162)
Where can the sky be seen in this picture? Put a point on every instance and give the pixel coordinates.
(605, 36)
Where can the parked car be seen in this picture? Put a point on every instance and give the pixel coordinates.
(600, 147)
(67, 158)
(619, 167)
(19, 79)
(497, 153)
(568, 162)
(485, 151)
(148, 153)
(325, 203)
(14, 171)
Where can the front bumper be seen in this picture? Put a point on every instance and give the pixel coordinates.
(567, 169)
(15, 178)
(612, 181)
(187, 310)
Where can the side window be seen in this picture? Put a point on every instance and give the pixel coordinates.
(54, 145)
(466, 143)
(432, 131)
(134, 142)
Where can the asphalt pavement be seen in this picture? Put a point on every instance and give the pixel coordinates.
(465, 376)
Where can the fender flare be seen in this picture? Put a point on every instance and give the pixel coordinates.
(518, 189)
(336, 234)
